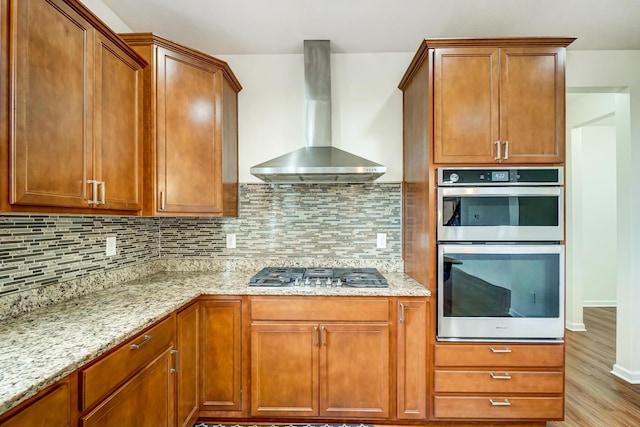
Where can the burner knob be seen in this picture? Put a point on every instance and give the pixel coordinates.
(318, 282)
(296, 282)
(339, 283)
(307, 282)
(328, 281)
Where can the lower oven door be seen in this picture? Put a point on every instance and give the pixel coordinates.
(505, 291)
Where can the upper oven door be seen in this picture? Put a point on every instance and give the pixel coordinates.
(468, 214)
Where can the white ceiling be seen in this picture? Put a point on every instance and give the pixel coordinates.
(278, 26)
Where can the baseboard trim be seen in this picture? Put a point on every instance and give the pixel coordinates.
(575, 327)
(625, 374)
(600, 303)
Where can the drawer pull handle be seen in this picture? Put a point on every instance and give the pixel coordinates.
(147, 338)
(503, 403)
(504, 376)
(500, 350)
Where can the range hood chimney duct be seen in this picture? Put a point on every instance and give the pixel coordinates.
(318, 161)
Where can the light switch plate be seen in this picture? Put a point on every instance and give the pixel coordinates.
(111, 246)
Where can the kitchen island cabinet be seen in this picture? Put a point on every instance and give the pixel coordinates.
(315, 357)
(73, 141)
(191, 130)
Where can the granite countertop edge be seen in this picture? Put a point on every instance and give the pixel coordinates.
(45, 345)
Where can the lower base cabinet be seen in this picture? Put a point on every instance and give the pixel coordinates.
(188, 346)
(499, 381)
(320, 357)
(221, 361)
(146, 400)
(51, 409)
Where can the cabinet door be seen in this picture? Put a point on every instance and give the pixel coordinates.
(52, 74)
(146, 400)
(50, 410)
(466, 105)
(532, 105)
(117, 138)
(189, 149)
(187, 371)
(412, 360)
(284, 369)
(354, 370)
(221, 369)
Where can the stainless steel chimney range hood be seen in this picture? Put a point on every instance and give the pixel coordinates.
(318, 162)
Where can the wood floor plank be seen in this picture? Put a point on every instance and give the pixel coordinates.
(594, 396)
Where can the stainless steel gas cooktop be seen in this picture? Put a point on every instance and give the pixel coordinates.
(319, 277)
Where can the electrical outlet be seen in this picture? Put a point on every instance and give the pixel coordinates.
(111, 246)
(231, 241)
(382, 240)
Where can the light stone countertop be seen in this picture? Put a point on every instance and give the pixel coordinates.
(45, 345)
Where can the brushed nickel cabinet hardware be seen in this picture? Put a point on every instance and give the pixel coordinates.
(504, 376)
(147, 338)
(499, 350)
(498, 155)
(175, 354)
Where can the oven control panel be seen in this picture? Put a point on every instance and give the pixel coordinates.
(500, 176)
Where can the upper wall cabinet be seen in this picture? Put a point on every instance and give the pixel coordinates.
(70, 108)
(496, 100)
(191, 143)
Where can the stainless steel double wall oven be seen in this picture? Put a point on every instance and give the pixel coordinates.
(500, 257)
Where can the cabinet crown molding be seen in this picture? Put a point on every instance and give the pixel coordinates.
(134, 39)
(497, 42)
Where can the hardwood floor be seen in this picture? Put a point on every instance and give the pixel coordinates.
(594, 396)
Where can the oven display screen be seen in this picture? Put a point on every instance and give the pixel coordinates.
(500, 176)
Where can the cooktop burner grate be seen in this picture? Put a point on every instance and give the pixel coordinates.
(319, 277)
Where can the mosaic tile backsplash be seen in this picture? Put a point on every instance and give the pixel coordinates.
(305, 221)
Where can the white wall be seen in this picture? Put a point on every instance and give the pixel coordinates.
(366, 107)
(594, 214)
(619, 69)
(101, 10)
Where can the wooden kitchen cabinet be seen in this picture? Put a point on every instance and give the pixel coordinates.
(495, 100)
(72, 113)
(221, 361)
(412, 359)
(499, 381)
(191, 138)
(134, 384)
(320, 357)
(146, 400)
(188, 372)
(50, 408)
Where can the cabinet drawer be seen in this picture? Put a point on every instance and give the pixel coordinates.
(320, 309)
(547, 408)
(502, 355)
(498, 382)
(102, 377)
